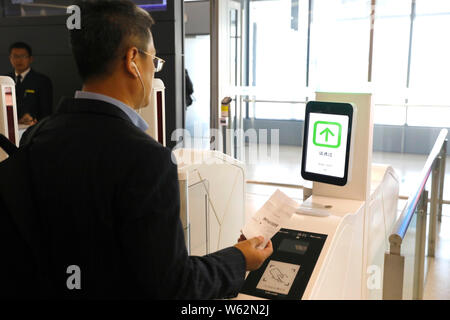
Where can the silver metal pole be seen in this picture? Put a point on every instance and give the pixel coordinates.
(214, 36)
(184, 212)
(442, 178)
(208, 245)
(419, 255)
(434, 207)
(229, 138)
(240, 147)
(394, 266)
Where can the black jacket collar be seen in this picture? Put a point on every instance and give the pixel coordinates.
(12, 74)
(72, 105)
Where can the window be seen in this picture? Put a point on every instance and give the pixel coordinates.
(430, 65)
(390, 51)
(278, 51)
(390, 60)
(410, 65)
(340, 44)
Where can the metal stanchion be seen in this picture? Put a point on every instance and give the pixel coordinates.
(419, 255)
(434, 207)
(442, 161)
(184, 210)
(394, 266)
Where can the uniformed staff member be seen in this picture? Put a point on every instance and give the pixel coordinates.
(34, 91)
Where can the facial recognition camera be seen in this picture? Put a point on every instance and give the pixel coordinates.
(327, 142)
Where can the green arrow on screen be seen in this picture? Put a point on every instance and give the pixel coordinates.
(327, 132)
(336, 131)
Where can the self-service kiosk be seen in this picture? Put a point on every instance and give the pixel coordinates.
(8, 112)
(337, 237)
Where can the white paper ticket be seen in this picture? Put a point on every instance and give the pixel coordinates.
(272, 216)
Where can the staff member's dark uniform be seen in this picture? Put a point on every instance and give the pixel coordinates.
(34, 94)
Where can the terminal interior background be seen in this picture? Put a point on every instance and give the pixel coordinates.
(287, 54)
(279, 53)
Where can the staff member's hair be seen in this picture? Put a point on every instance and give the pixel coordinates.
(21, 45)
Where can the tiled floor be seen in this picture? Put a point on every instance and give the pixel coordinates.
(286, 170)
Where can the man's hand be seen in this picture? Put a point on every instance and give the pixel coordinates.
(28, 120)
(254, 257)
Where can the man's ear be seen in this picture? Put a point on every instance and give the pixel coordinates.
(31, 59)
(130, 62)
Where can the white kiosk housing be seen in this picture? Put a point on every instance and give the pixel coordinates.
(8, 112)
(338, 255)
(212, 192)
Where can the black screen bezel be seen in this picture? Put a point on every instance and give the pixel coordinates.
(345, 109)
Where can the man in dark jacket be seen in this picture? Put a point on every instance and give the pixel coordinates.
(106, 192)
(34, 91)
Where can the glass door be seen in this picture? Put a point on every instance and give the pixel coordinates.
(226, 75)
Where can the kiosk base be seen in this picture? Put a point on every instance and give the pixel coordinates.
(326, 257)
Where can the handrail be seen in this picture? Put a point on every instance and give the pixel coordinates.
(402, 224)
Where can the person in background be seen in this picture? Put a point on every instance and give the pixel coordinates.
(189, 89)
(34, 91)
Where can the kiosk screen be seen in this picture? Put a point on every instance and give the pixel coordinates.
(327, 141)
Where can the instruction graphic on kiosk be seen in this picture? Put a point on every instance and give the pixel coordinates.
(278, 277)
(286, 273)
(327, 142)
